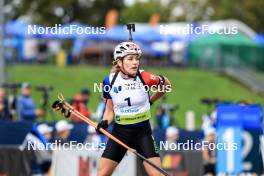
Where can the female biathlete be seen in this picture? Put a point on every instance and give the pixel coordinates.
(128, 104)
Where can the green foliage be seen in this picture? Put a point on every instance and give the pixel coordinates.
(142, 11)
(93, 12)
(249, 12)
(85, 11)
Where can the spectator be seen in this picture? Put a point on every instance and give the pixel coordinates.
(45, 162)
(80, 102)
(35, 141)
(45, 130)
(85, 94)
(4, 110)
(209, 121)
(213, 118)
(42, 51)
(26, 108)
(92, 138)
(63, 129)
(163, 119)
(172, 134)
(209, 154)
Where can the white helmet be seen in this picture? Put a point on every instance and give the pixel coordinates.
(126, 48)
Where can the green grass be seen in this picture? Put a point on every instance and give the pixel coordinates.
(260, 76)
(188, 86)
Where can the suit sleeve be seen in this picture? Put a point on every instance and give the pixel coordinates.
(106, 88)
(150, 79)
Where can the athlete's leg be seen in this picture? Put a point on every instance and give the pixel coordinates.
(106, 167)
(111, 156)
(146, 146)
(151, 171)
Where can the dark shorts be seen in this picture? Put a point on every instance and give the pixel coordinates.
(139, 138)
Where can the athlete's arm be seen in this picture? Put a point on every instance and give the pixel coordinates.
(109, 111)
(161, 83)
(161, 91)
(107, 117)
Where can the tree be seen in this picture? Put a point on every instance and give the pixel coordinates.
(50, 12)
(249, 12)
(92, 12)
(142, 11)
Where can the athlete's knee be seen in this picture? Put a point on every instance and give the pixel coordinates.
(106, 167)
(153, 172)
(104, 172)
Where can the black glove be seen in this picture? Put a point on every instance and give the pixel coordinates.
(103, 124)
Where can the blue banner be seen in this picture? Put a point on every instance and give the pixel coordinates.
(241, 125)
(229, 158)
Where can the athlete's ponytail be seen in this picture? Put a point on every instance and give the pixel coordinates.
(115, 68)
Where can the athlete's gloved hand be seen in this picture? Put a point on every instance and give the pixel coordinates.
(103, 124)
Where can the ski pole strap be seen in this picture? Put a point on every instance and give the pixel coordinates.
(132, 119)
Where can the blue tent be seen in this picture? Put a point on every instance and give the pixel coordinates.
(147, 49)
(92, 32)
(143, 33)
(117, 33)
(148, 35)
(179, 32)
(21, 28)
(73, 30)
(59, 34)
(1, 28)
(16, 28)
